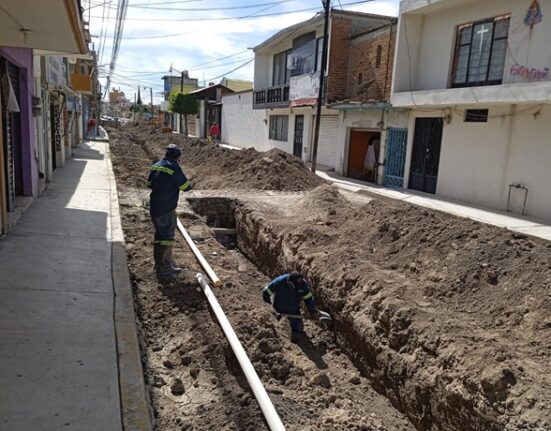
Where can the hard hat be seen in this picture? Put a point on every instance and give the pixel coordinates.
(173, 150)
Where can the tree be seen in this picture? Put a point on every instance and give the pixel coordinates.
(183, 104)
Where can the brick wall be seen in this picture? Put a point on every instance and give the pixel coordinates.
(353, 51)
(366, 80)
(339, 50)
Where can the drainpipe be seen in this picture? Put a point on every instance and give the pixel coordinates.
(266, 405)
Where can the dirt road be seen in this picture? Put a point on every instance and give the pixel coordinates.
(440, 323)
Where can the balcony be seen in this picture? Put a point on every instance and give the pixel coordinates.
(273, 97)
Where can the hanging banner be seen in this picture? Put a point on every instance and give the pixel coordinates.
(304, 89)
(9, 95)
(57, 72)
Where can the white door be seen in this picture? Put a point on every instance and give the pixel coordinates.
(327, 144)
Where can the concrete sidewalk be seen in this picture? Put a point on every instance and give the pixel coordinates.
(69, 353)
(514, 223)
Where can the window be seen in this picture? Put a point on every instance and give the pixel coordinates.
(319, 53)
(278, 127)
(476, 116)
(480, 53)
(379, 56)
(303, 55)
(281, 76)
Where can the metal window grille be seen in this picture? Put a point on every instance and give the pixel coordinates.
(480, 52)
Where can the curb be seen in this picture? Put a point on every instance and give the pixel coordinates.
(134, 398)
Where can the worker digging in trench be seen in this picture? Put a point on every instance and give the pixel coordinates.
(166, 180)
(285, 293)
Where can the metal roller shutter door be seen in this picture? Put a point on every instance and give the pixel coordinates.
(327, 145)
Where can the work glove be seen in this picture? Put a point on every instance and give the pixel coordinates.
(314, 313)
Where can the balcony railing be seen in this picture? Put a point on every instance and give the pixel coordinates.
(273, 97)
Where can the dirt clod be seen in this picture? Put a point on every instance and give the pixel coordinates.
(177, 388)
(322, 379)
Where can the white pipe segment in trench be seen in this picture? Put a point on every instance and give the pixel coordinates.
(266, 405)
(210, 272)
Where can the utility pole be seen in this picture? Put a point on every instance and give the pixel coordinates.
(181, 91)
(327, 9)
(151, 101)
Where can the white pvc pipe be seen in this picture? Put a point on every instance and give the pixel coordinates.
(266, 405)
(210, 272)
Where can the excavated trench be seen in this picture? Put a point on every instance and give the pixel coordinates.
(231, 224)
(447, 318)
(428, 404)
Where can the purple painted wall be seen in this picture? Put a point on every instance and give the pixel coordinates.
(23, 58)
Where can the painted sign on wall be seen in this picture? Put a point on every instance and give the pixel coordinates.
(532, 74)
(534, 15)
(528, 48)
(304, 86)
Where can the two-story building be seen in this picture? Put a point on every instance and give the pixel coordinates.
(286, 85)
(476, 78)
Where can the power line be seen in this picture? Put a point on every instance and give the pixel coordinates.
(195, 68)
(209, 9)
(219, 59)
(103, 33)
(240, 17)
(119, 28)
(191, 32)
(231, 71)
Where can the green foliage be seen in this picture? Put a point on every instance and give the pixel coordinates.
(184, 104)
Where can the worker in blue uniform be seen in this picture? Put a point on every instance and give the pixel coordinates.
(285, 293)
(166, 180)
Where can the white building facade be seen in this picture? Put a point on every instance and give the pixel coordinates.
(286, 86)
(476, 78)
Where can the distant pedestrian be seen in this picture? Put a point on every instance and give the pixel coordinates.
(92, 125)
(166, 180)
(285, 293)
(214, 132)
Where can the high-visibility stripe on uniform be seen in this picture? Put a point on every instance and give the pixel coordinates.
(162, 169)
(184, 186)
(165, 242)
(267, 289)
(308, 295)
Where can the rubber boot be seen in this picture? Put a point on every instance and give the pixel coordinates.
(173, 265)
(157, 256)
(166, 270)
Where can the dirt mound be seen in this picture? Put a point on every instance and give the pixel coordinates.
(322, 203)
(213, 167)
(448, 317)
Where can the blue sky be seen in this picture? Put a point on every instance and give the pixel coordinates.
(146, 55)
